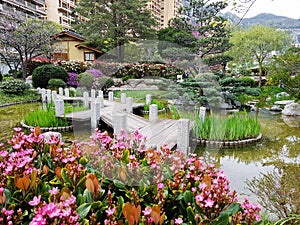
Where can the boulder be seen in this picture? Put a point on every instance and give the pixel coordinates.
(284, 102)
(292, 109)
(275, 108)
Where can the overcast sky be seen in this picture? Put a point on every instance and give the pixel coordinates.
(288, 8)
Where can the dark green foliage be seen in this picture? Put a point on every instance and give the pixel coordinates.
(14, 86)
(119, 22)
(1, 77)
(86, 80)
(56, 83)
(42, 74)
(103, 83)
(34, 64)
(286, 73)
(209, 27)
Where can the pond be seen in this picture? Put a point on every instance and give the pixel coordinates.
(280, 143)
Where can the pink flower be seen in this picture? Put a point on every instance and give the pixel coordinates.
(199, 198)
(160, 186)
(147, 211)
(35, 201)
(53, 191)
(209, 203)
(110, 211)
(178, 221)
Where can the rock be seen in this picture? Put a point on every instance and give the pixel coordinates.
(291, 121)
(282, 94)
(284, 102)
(47, 135)
(275, 108)
(292, 109)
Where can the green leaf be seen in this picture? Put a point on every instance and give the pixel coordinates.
(125, 155)
(223, 219)
(120, 185)
(88, 196)
(81, 181)
(96, 205)
(120, 203)
(55, 181)
(190, 214)
(65, 177)
(85, 222)
(8, 195)
(188, 196)
(83, 210)
(232, 209)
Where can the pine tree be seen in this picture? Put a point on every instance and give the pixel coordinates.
(113, 23)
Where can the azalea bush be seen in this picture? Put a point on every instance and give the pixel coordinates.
(112, 180)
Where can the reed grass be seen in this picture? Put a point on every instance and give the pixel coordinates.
(160, 104)
(45, 118)
(234, 127)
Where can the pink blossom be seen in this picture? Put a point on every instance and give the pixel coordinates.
(209, 203)
(147, 211)
(53, 191)
(178, 221)
(110, 211)
(35, 201)
(160, 185)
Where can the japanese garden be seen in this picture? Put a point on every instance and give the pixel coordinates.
(194, 123)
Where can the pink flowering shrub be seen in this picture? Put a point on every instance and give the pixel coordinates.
(112, 180)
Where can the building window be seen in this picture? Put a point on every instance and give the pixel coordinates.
(89, 56)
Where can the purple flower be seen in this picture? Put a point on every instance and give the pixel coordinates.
(73, 80)
(96, 73)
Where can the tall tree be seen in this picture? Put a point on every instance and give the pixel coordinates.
(256, 45)
(285, 71)
(23, 39)
(117, 20)
(202, 18)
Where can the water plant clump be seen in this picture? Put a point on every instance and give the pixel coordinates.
(45, 119)
(160, 104)
(234, 127)
(44, 183)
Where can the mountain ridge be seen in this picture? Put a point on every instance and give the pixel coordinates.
(266, 19)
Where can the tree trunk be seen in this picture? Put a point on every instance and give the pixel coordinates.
(121, 52)
(24, 72)
(260, 70)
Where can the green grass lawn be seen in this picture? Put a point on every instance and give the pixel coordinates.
(140, 93)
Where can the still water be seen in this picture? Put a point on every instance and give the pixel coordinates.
(280, 143)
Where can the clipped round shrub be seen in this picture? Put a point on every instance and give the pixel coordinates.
(14, 86)
(55, 83)
(86, 80)
(42, 74)
(103, 83)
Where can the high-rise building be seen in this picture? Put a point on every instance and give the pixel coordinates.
(61, 11)
(24, 8)
(164, 10)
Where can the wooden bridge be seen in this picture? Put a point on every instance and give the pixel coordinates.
(158, 132)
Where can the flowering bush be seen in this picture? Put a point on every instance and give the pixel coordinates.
(74, 66)
(14, 86)
(112, 181)
(146, 70)
(72, 80)
(96, 73)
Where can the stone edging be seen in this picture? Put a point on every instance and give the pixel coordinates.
(159, 111)
(224, 144)
(61, 129)
(18, 103)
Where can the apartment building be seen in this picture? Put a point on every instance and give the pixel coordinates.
(61, 11)
(164, 10)
(24, 8)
